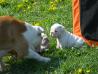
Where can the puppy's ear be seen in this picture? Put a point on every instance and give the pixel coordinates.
(61, 28)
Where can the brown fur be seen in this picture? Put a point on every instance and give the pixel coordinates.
(11, 38)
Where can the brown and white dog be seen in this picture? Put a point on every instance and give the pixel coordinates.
(64, 38)
(20, 39)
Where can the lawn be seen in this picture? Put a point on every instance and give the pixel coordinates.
(44, 13)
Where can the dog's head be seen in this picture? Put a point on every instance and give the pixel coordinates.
(36, 33)
(57, 30)
(39, 30)
(10, 27)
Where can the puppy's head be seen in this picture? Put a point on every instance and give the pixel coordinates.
(57, 30)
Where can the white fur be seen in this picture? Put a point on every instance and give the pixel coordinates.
(44, 43)
(33, 38)
(64, 38)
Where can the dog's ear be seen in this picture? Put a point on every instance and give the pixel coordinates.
(18, 26)
(4, 29)
(39, 29)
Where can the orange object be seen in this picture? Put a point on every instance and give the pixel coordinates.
(76, 23)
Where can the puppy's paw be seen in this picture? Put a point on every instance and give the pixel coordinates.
(57, 46)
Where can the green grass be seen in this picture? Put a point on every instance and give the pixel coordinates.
(66, 61)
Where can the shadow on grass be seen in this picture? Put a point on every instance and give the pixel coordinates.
(32, 66)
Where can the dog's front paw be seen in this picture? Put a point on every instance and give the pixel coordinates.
(46, 60)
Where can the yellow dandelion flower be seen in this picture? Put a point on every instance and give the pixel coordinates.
(2, 1)
(80, 70)
(24, 10)
(20, 5)
(57, 1)
(37, 24)
(25, 0)
(54, 4)
(51, 2)
(28, 7)
(88, 71)
(54, 8)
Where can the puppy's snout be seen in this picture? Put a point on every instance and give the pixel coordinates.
(51, 33)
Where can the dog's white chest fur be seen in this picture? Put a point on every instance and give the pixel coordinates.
(34, 40)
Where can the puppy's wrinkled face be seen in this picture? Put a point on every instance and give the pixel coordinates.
(56, 30)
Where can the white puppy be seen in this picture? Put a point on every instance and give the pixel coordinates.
(65, 39)
(34, 39)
